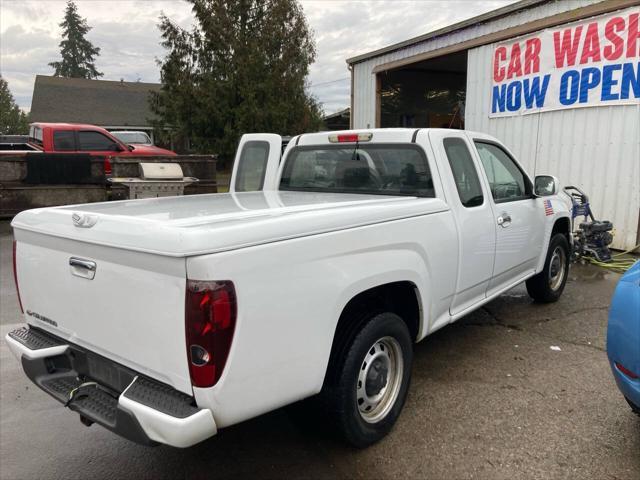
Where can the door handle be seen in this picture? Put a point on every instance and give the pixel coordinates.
(504, 219)
(78, 262)
(82, 268)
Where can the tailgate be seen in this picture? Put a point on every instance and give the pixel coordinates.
(131, 311)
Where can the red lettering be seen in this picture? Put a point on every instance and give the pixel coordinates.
(633, 35)
(498, 70)
(566, 48)
(532, 56)
(614, 51)
(515, 66)
(591, 48)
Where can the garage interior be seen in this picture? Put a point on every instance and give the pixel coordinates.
(430, 93)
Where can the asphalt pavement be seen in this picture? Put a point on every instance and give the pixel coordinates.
(490, 399)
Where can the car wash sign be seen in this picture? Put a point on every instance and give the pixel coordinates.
(589, 63)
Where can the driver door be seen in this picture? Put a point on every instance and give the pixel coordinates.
(516, 216)
(99, 144)
(256, 164)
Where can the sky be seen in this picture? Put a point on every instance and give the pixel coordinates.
(127, 34)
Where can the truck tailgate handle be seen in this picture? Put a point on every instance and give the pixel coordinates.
(83, 268)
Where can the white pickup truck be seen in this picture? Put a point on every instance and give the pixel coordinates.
(167, 319)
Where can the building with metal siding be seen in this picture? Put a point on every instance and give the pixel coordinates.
(596, 148)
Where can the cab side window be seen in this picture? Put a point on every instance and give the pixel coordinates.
(506, 180)
(464, 172)
(94, 141)
(64, 141)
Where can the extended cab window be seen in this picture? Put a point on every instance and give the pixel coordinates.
(35, 135)
(508, 183)
(464, 172)
(64, 140)
(377, 169)
(252, 167)
(94, 141)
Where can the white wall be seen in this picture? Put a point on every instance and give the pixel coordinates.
(594, 148)
(364, 81)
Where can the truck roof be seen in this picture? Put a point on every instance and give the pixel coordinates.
(65, 126)
(379, 135)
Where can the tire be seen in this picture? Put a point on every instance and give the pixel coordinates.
(634, 408)
(366, 396)
(548, 285)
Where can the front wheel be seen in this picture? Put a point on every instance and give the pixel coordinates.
(373, 379)
(548, 285)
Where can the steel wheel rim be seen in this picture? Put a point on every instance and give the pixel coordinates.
(557, 268)
(379, 379)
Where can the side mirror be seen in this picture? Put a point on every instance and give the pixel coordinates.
(545, 185)
(131, 148)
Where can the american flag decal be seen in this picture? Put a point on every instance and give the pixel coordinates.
(548, 208)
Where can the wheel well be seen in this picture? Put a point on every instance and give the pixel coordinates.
(563, 226)
(400, 298)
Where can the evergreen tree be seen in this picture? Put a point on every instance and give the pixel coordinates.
(241, 69)
(13, 121)
(78, 54)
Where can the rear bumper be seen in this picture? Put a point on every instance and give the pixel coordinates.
(630, 388)
(104, 392)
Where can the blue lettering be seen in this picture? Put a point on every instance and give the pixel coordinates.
(569, 83)
(498, 98)
(630, 80)
(608, 82)
(514, 92)
(534, 92)
(590, 79)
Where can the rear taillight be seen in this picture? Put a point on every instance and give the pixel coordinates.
(107, 165)
(210, 318)
(626, 371)
(15, 275)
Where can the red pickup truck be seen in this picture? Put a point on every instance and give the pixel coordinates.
(78, 138)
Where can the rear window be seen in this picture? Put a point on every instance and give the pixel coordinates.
(35, 135)
(398, 169)
(64, 141)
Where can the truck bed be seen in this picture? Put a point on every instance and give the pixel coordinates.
(219, 222)
(131, 309)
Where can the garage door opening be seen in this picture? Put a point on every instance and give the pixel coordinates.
(430, 93)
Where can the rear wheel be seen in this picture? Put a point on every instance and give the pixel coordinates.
(367, 395)
(548, 285)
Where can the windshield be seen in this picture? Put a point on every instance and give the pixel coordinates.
(139, 138)
(396, 169)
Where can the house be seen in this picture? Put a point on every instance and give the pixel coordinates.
(337, 121)
(557, 81)
(114, 105)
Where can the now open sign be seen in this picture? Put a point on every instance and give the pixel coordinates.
(589, 63)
